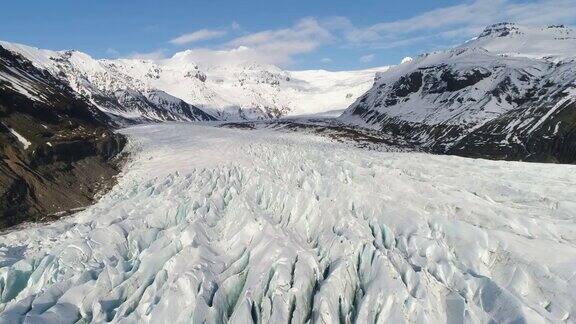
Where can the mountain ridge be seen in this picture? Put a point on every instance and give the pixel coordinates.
(485, 98)
(127, 88)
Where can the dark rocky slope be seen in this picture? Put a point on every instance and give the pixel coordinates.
(509, 94)
(57, 151)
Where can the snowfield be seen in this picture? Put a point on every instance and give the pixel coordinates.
(258, 226)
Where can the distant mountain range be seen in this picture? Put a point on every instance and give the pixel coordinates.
(132, 90)
(510, 94)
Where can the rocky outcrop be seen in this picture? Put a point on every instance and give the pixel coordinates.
(57, 152)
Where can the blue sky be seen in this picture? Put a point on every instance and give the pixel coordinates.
(328, 34)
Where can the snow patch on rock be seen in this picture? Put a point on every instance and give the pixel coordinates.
(26, 143)
(407, 59)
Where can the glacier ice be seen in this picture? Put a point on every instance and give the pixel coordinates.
(223, 225)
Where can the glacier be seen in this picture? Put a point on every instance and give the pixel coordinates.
(217, 225)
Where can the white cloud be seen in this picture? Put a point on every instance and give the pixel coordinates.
(112, 52)
(407, 59)
(455, 22)
(367, 58)
(326, 60)
(434, 29)
(305, 36)
(277, 46)
(158, 54)
(210, 57)
(199, 35)
(304, 28)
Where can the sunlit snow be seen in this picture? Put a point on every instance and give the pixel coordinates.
(26, 143)
(221, 225)
(258, 90)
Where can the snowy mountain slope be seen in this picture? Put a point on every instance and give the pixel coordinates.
(54, 98)
(219, 225)
(251, 91)
(178, 89)
(121, 96)
(510, 93)
(551, 42)
(256, 91)
(322, 91)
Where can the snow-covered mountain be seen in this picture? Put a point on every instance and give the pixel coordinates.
(509, 93)
(101, 83)
(178, 89)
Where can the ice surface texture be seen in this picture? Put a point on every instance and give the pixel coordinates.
(220, 225)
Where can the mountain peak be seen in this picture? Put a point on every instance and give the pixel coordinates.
(557, 42)
(509, 29)
(502, 29)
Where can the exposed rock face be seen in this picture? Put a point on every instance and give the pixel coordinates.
(108, 85)
(552, 140)
(500, 96)
(57, 151)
